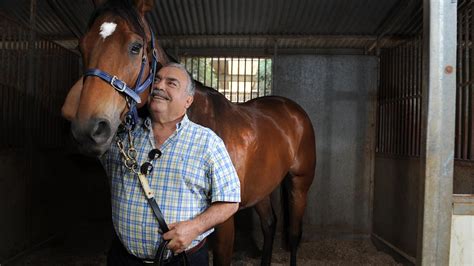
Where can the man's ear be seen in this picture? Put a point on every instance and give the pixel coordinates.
(71, 103)
(144, 6)
(189, 101)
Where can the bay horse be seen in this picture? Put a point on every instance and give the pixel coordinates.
(268, 138)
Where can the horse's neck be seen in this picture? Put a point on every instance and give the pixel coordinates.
(208, 107)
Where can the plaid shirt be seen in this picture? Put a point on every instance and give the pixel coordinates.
(194, 171)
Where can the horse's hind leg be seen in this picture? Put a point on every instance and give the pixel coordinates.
(223, 243)
(297, 193)
(268, 224)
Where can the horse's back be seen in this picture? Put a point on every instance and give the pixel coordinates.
(284, 112)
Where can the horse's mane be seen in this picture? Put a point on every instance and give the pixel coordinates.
(122, 8)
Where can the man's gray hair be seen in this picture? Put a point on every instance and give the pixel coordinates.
(191, 85)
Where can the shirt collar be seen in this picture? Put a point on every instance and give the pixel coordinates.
(181, 124)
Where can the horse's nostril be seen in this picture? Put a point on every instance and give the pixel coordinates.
(101, 131)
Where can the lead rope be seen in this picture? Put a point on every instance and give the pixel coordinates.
(129, 159)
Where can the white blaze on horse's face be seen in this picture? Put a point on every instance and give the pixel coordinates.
(106, 29)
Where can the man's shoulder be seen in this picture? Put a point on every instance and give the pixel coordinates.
(203, 132)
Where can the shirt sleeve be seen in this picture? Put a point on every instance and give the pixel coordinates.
(225, 182)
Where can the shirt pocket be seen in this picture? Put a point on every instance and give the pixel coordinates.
(194, 177)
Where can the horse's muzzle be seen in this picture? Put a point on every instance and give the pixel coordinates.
(93, 136)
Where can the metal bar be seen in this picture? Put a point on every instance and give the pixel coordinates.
(392, 111)
(231, 78)
(238, 79)
(439, 61)
(263, 38)
(245, 80)
(205, 71)
(385, 80)
(219, 73)
(258, 77)
(192, 68)
(8, 71)
(4, 82)
(386, 95)
(380, 121)
(404, 101)
(212, 70)
(265, 79)
(3, 86)
(228, 79)
(413, 94)
(46, 124)
(199, 69)
(252, 83)
(458, 135)
(394, 96)
(226, 65)
(410, 94)
(397, 106)
(420, 83)
(413, 102)
(465, 97)
(470, 88)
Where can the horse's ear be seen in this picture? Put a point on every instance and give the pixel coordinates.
(144, 6)
(98, 3)
(71, 103)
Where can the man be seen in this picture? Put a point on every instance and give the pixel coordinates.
(194, 181)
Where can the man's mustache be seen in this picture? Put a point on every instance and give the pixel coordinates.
(160, 93)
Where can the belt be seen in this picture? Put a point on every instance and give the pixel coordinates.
(189, 252)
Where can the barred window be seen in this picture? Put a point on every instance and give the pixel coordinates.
(239, 79)
(464, 141)
(399, 100)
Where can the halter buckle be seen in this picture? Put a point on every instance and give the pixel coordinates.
(120, 89)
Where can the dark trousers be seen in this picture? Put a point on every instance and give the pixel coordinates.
(119, 256)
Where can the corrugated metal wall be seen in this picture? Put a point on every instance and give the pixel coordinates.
(339, 94)
(200, 24)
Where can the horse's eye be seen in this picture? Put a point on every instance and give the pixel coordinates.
(136, 47)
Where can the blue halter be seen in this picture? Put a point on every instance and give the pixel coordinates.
(132, 94)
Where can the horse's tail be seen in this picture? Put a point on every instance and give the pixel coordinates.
(285, 190)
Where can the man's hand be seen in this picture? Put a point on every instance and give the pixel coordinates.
(181, 234)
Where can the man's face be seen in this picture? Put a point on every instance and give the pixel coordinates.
(169, 98)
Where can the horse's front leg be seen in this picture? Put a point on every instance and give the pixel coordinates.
(223, 243)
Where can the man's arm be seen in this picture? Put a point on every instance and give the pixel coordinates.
(181, 234)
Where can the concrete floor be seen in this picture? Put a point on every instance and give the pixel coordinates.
(87, 244)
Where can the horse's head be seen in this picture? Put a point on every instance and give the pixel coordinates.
(116, 49)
